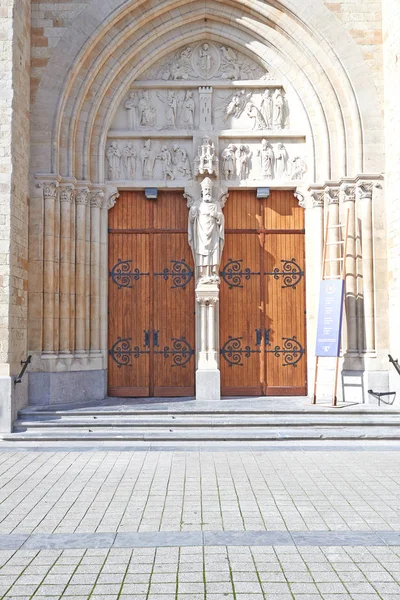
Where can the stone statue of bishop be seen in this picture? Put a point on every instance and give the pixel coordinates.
(207, 234)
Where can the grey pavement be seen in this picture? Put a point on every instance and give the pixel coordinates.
(223, 522)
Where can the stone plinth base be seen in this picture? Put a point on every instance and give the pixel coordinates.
(67, 387)
(208, 385)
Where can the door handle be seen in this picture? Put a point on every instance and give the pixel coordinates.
(267, 336)
(147, 338)
(258, 337)
(155, 338)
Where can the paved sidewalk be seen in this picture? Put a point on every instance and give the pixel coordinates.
(226, 523)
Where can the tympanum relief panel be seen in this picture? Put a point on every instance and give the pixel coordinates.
(256, 128)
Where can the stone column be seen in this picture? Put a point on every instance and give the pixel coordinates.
(81, 281)
(208, 377)
(348, 197)
(334, 251)
(111, 197)
(67, 196)
(364, 212)
(96, 203)
(50, 192)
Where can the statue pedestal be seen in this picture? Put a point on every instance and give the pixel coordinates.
(208, 378)
(208, 385)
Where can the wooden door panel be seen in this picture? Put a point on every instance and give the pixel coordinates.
(282, 211)
(240, 316)
(242, 211)
(174, 319)
(286, 366)
(131, 212)
(129, 318)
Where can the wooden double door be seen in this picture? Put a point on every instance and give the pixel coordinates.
(152, 347)
(151, 298)
(262, 303)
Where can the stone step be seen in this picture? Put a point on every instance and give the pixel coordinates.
(206, 421)
(209, 434)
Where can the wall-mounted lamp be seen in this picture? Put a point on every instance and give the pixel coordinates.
(263, 193)
(151, 193)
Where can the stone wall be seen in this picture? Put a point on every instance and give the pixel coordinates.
(391, 25)
(363, 21)
(14, 169)
(49, 23)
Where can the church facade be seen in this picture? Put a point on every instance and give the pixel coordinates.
(169, 168)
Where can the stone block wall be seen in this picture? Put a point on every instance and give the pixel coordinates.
(391, 46)
(14, 175)
(49, 23)
(363, 21)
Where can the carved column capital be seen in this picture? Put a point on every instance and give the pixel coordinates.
(332, 194)
(317, 196)
(365, 190)
(82, 196)
(348, 192)
(97, 199)
(50, 189)
(67, 193)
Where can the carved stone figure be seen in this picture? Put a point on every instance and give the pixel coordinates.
(147, 160)
(236, 104)
(171, 108)
(299, 168)
(131, 107)
(243, 155)
(267, 157)
(206, 161)
(205, 60)
(166, 158)
(129, 160)
(187, 110)
(286, 110)
(180, 67)
(228, 162)
(230, 68)
(254, 113)
(281, 110)
(114, 161)
(207, 233)
(267, 108)
(147, 112)
(281, 161)
(181, 162)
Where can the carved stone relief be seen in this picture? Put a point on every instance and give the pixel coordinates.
(268, 109)
(236, 162)
(207, 61)
(206, 161)
(149, 159)
(257, 161)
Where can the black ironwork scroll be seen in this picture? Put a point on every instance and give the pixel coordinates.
(233, 274)
(181, 352)
(123, 275)
(181, 274)
(233, 351)
(122, 352)
(291, 352)
(291, 273)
